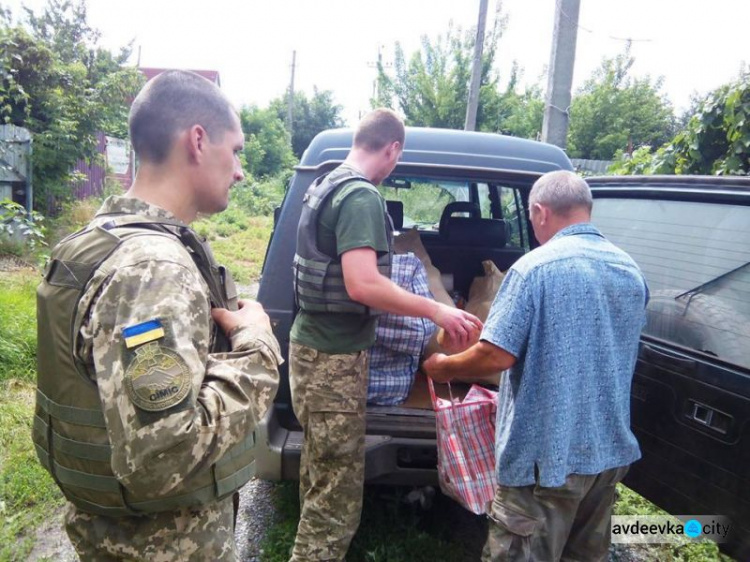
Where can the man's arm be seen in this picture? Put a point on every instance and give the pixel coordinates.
(482, 358)
(365, 284)
(229, 393)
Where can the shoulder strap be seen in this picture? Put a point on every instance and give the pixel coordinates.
(201, 253)
(325, 185)
(223, 293)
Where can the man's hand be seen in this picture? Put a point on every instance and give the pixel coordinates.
(432, 368)
(461, 327)
(250, 313)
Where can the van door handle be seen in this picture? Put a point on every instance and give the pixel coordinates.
(666, 359)
(709, 417)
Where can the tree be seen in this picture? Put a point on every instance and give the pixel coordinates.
(613, 110)
(432, 88)
(512, 113)
(61, 86)
(311, 116)
(715, 141)
(267, 148)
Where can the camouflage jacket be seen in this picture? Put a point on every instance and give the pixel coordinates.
(221, 397)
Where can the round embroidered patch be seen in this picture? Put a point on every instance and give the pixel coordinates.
(157, 378)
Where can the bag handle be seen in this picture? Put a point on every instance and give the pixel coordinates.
(433, 396)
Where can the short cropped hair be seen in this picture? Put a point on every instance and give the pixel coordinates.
(171, 102)
(379, 128)
(562, 192)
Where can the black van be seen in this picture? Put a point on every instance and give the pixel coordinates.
(690, 236)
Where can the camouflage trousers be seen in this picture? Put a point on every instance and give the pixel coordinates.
(329, 395)
(205, 533)
(569, 523)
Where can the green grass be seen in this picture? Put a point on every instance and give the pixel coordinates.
(238, 241)
(393, 532)
(389, 531)
(18, 326)
(27, 493)
(631, 503)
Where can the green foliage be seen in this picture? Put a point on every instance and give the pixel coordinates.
(61, 86)
(637, 163)
(267, 148)
(20, 232)
(717, 138)
(260, 198)
(238, 240)
(28, 494)
(630, 503)
(613, 111)
(390, 531)
(423, 202)
(311, 116)
(18, 327)
(715, 141)
(431, 88)
(510, 112)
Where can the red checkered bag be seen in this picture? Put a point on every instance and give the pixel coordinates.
(466, 446)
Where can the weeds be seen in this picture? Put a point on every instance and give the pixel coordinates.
(27, 493)
(238, 241)
(630, 503)
(18, 326)
(389, 531)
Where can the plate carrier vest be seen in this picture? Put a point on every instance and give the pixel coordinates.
(318, 277)
(69, 432)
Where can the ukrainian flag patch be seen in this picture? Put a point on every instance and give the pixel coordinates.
(142, 333)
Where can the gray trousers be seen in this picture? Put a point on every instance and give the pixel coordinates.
(569, 523)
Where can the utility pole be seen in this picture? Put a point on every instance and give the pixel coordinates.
(290, 102)
(562, 60)
(378, 65)
(476, 70)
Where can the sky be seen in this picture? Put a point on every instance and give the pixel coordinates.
(693, 45)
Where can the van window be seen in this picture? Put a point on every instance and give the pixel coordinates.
(696, 260)
(513, 213)
(424, 199)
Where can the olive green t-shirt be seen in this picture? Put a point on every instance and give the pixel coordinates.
(352, 217)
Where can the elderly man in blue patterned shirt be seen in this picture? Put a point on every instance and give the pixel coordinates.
(566, 323)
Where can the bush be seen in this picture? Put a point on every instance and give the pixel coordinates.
(21, 233)
(260, 198)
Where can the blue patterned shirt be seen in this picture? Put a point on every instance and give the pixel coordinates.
(571, 312)
(399, 340)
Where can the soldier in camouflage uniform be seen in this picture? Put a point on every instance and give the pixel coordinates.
(344, 227)
(172, 407)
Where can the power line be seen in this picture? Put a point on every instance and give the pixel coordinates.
(594, 32)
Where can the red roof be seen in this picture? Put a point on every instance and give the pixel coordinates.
(212, 75)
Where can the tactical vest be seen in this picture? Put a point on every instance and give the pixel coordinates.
(318, 277)
(69, 432)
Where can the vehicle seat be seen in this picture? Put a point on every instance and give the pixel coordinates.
(396, 211)
(457, 207)
(486, 233)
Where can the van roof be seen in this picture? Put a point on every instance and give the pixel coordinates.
(448, 148)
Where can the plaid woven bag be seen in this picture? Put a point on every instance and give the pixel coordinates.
(466, 446)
